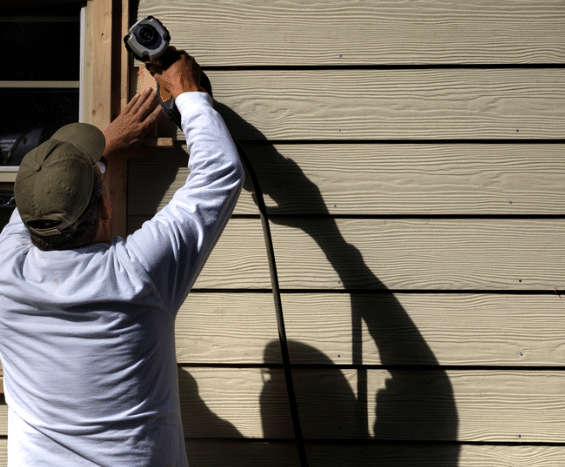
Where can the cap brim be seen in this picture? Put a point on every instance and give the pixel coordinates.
(87, 138)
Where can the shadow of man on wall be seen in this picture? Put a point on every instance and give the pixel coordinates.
(417, 403)
(414, 409)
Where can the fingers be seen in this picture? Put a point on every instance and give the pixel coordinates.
(170, 56)
(131, 103)
(143, 104)
(136, 101)
(151, 121)
(176, 72)
(147, 110)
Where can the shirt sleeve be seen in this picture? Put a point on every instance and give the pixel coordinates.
(15, 228)
(174, 246)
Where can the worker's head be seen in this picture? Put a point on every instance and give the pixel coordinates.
(55, 185)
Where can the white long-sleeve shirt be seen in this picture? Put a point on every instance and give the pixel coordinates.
(87, 335)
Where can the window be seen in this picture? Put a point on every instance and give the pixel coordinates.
(39, 82)
(39, 87)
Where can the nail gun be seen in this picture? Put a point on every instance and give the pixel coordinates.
(148, 40)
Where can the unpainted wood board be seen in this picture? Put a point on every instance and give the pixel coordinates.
(394, 254)
(392, 104)
(365, 32)
(377, 179)
(427, 405)
(98, 66)
(106, 90)
(374, 329)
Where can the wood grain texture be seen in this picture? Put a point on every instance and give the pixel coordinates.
(395, 254)
(489, 406)
(363, 32)
(106, 90)
(374, 329)
(377, 179)
(99, 66)
(415, 104)
(456, 405)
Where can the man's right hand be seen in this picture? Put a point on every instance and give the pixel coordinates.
(176, 72)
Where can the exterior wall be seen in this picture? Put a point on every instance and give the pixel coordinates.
(411, 153)
(411, 156)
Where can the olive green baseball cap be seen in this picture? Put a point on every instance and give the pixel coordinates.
(54, 182)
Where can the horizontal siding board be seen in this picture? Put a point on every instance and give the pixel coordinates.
(253, 453)
(365, 32)
(408, 179)
(405, 329)
(378, 179)
(391, 104)
(395, 254)
(241, 453)
(467, 406)
(250, 453)
(226, 328)
(437, 455)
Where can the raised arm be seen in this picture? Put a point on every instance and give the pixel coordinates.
(174, 246)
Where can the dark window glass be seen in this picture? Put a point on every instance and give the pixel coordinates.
(40, 44)
(30, 116)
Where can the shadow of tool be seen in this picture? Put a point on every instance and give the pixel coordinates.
(416, 417)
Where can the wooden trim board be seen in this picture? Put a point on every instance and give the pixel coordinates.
(107, 90)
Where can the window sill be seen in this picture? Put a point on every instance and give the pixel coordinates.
(8, 174)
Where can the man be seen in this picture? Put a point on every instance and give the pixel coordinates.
(87, 324)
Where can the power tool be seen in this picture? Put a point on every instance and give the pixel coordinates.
(148, 40)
